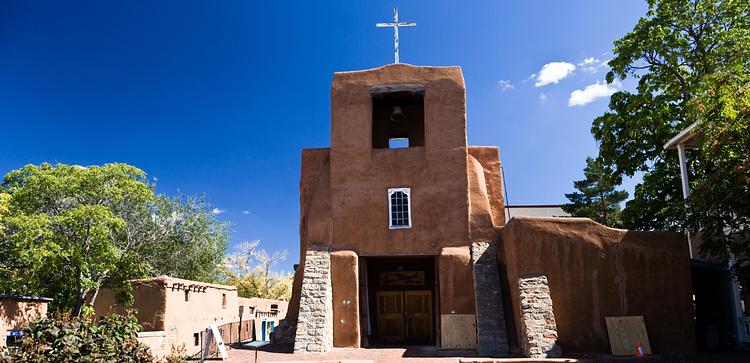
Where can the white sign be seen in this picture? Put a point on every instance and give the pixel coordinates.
(219, 343)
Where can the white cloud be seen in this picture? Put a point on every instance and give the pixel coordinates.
(588, 61)
(505, 85)
(216, 211)
(553, 73)
(543, 97)
(591, 93)
(592, 64)
(245, 212)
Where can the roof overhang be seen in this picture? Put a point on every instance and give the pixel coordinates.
(689, 137)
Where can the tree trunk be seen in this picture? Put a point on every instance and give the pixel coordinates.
(92, 299)
(78, 308)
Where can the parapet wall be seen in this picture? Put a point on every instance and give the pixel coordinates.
(595, 271)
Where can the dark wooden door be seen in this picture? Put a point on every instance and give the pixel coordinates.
(418, 315)
(390, 318)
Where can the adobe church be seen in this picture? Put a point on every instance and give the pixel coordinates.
(403, 240)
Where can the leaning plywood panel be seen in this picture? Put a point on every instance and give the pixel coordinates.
(458, 331)
(624, 334)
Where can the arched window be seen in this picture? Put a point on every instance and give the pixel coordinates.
(399, 207)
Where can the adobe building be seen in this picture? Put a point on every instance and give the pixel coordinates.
(176, 313)
(403, 240)
(16, 313)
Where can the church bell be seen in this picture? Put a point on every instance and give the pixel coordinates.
(398, 115)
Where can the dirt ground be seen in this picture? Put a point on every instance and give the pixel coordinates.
(415, 354)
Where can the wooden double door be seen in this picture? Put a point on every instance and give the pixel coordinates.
(405, 316)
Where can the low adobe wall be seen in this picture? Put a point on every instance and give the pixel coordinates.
(148, 302)
(17, 312)
(595, 271)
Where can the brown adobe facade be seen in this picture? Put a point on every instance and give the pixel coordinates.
(16, 313)
(175, 313)
(409, 245)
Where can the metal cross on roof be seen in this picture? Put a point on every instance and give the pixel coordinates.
(395, 24)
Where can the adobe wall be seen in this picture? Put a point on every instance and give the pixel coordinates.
(486, 190)
(148, 303)
(315, 215)
(436, 172)
(456, 298)
(16, 314)
(345, 286)
(182, 319)
(456, 193)
(595, 271)
(456, 281)
(261, 309)
(162, 307)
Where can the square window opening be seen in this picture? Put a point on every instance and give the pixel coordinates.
(397, 116)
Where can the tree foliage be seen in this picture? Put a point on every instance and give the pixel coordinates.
(719, 203)
(68, 230)
(690, 58)
(597, 197)
(188, 241)
(249, 268)
(671, 52)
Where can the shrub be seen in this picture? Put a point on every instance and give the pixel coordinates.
(65, 339)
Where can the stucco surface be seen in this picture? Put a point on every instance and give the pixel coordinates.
(456, 191)
(345, 283)
(161, 306)
(489, 159)
(595, 271)
(17, 314)
(436, 172)
(148, 301)
(315, 214)
(456, 281)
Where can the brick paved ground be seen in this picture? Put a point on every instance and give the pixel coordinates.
(283, 353)
(350, 355)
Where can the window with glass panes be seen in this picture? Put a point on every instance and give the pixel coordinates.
(399, 208)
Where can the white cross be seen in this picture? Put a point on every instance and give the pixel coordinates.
(395, 24)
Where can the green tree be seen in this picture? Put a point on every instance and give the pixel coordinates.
(674, 52)
(65, 233)
(188, 241)
(68, 230)
(719, 203)
(597, 197)
(249, 268)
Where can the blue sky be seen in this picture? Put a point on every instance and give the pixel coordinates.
(220, 97)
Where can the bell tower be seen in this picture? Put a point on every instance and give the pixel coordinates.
(397, 218)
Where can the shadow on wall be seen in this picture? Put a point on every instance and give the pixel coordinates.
(595, 271)
(16, 312)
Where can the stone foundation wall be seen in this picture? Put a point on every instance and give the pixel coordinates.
(315, 321)
(539, 339)
(492, 336)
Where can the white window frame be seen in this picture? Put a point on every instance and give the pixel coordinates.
(406, 191)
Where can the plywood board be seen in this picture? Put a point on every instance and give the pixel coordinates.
(459, 331)
(625, 332)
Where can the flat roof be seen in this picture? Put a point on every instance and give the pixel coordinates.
(688, 137)
(535, 206)
(25, 298)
